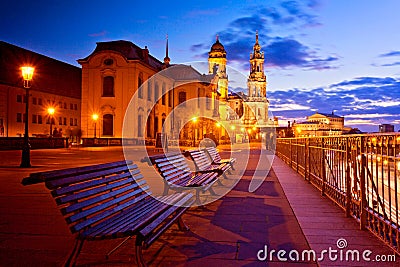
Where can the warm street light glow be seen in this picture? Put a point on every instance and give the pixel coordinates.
(27, 73)
(51, 111)
(95, 117)
(242, 129)
(194, 119)
(254, 128)
(233, 127)
(218, 124)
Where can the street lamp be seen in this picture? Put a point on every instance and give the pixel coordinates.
(51, 113)
(27, 75)
(194, 120)
(95, 117)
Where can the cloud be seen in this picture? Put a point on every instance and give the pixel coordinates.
(390, 54)
(391, 64)
(270, 22)
(97, 34)
(364, 101)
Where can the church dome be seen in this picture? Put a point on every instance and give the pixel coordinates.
(217, 49)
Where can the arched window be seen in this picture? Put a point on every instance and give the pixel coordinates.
(140, 82)
(108, 86)
(108, 125)
(156, 92)
(163, 94)
(149, 88)
(182, 98)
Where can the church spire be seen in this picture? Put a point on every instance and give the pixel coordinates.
(166, 58)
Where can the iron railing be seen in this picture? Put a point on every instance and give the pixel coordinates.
(360, 173)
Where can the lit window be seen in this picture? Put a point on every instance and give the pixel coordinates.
(108, 86)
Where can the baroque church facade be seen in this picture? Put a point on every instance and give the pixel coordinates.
(243, 112)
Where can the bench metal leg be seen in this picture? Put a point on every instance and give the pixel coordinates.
(219, 182)
(139, 255)
(212, 191)
(182, 225)
(74, 253)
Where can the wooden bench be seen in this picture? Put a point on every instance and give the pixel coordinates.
(203, 163)
(109, 201)
(216, 157)
(177, 175)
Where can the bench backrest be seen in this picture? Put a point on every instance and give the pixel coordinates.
(213, 153)
(200, 159)
(39, 177)
(88, 198)
(172, 167)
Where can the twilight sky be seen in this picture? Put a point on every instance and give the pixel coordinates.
(320, 55)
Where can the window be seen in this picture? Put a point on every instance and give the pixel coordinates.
(108, 86)
(24, 98)
(60, 121)
(108, 128)
(71, 121)
(34, 118)
(76, 106)
(139, 128)
(170, 98)
(182, 98)
(34, 100)
(65, 105)
(19, 98)
(163, 94)
(19, 117)
(40, 102)
(149, 85)
(156, 92)
(198, 97)
(39, 119)
(71, 106)
(65, 121)
(76, 122)
(140, 82)
(60, 104)
(208, 102)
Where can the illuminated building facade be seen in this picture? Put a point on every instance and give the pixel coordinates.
(55, 85)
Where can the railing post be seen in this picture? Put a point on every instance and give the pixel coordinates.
(323, 166)
(363, 195)
(290, 152)
(305, 158)
(348, 177)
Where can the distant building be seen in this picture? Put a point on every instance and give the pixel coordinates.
(55, 84)
(320, 124)
(386, 128)
(117, 70)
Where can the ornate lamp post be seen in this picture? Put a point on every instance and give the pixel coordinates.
(194, 120)
(51, 111)
(95, 117)
(27, 75)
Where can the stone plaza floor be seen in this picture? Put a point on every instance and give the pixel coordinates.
(285, 213)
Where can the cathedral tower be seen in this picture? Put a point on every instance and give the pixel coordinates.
(256, 104)
(217, 65)
(257, 82)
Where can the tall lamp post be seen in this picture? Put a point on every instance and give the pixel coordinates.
(194, 120)
(51, 113)
(95, 117)
(27, 75)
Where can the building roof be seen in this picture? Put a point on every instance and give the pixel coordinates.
(328, 115)
(181, 72)
(50, 76)
(128, 50)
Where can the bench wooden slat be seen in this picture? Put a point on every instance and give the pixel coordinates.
(51, 184)
(92, 183)
(40, 177)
